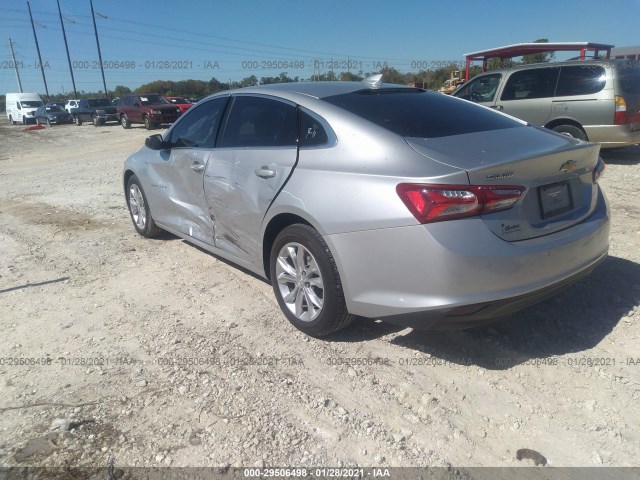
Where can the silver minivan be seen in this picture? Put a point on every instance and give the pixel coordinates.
(595, 100)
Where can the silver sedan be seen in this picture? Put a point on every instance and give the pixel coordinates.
(370, 199)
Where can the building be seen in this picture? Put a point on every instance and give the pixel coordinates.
(629, 53)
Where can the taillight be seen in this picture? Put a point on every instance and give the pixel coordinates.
(434, 203)
(620, 117)
(598, 170)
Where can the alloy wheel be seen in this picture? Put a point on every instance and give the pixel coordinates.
(300, 281)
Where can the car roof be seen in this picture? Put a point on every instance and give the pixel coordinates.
(312, 89)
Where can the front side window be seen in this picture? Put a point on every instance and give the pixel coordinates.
(581, 80)
(199, 126)
(533, 83)
(260, 122)
(481, 89)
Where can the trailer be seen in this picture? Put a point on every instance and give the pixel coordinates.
(517, 50)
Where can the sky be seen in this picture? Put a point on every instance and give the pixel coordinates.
(145, 40)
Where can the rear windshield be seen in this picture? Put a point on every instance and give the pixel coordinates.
(99, 102)
(629, 78)
(152, 99)
(416, 113)
(53, 108)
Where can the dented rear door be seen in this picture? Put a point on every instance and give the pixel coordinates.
(257, 154)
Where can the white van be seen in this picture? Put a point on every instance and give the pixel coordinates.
(21, 107)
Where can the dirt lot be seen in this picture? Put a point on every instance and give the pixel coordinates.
(154, 352)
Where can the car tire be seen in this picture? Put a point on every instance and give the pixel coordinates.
(139, 209)
(309, 293)
(124, 121)
(77, 120)
(147, 123)
(571, 131)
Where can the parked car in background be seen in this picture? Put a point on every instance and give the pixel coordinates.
(52, 115)
(151, 110)
(59, 104)
(21, 107)
(96, 110)
(591, 100)
(71, 104)
(388, 202)
(180, 102)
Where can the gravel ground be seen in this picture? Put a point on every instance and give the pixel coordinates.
(156, 353)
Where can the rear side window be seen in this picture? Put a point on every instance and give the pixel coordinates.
(534, 83)
(629, 78)
(416, 113)
(312, 133)
(260, 122)
(581, 80)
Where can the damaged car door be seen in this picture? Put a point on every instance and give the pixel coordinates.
(190, 143)
(255, 157)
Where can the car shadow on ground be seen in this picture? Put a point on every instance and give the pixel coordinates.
(573, 321)
(622, 156)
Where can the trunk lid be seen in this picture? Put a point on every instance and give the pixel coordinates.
(556, 171)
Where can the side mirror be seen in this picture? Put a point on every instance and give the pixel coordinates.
(155, 142)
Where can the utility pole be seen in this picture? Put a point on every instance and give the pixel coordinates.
(46, 89)
(15, 65)
(95, 29)
(64, 34)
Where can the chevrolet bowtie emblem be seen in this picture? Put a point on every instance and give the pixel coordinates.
(568, 166)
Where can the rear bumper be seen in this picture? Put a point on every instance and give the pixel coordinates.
(58, 120)
(612, 136)
(108, 117)
(459, 273)
(163, 118)
(479, 313)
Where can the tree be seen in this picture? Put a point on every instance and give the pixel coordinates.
(330, 76)
(251, 81)
(350, 77)
(216, 85)
(391, 75)
(282, 78)
(539, 57)
(120, 91)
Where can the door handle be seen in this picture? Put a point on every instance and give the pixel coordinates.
(197, 167)
(497, 107)
(265, 172)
